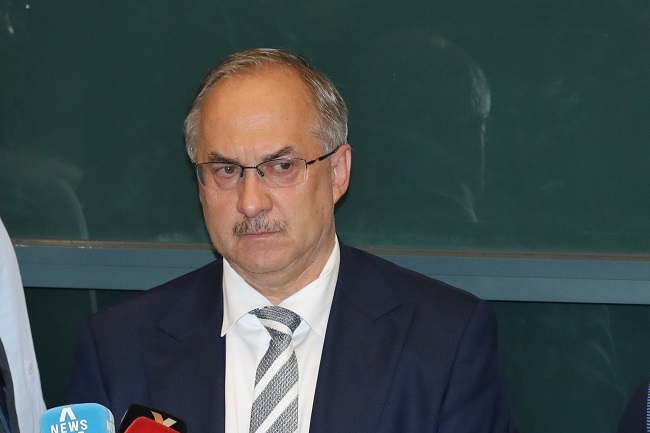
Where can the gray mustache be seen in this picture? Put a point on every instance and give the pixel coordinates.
(251, 226)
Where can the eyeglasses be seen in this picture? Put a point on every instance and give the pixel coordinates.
(276, 173)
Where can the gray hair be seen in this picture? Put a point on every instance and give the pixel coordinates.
(331, 112)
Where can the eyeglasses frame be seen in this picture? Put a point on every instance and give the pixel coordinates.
(260, 173)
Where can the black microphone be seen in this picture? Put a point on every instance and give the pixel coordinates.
(143, 419)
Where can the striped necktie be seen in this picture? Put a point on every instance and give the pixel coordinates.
(275, 399)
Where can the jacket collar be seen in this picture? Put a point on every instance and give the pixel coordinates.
(366, 330)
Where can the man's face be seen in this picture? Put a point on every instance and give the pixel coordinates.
(269, 235)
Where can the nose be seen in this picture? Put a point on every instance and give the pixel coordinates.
(253, 194)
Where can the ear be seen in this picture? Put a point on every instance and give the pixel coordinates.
(341, 166)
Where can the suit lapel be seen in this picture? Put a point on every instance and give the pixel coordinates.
(185, 362)
(365, 333)
(184, 356)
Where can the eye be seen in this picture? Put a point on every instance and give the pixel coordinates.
(225, 170)
(281, 166)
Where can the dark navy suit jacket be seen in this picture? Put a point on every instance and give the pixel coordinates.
(636, 418)
(403, 353)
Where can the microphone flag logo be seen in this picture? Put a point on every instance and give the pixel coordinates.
(159, 419)
(67, 411)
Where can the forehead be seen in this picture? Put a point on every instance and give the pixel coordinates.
(273, 90)
(270, 107)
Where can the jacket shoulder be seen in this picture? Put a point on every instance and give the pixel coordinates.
(201, 285)
(405, 283)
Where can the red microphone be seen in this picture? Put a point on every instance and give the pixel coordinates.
(147, 425)
(143, 419)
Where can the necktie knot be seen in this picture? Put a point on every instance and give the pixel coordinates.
(271, 316)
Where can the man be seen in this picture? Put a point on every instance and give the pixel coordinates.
(21, 398)
(365, 346)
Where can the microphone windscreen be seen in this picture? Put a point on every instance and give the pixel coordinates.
(147, 425)
(137, 411)
(78, 418)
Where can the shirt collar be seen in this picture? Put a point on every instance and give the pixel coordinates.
(312, 303)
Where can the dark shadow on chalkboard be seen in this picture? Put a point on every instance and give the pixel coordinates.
(420, 114)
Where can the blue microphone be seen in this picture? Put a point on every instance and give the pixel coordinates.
(78, 418)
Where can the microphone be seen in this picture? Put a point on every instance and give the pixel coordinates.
(147, 425)
(143, 419)
(81, 418)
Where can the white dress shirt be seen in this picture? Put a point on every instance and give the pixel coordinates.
(247, 340)
(16, 337)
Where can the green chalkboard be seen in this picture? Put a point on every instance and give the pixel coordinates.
(475, 125)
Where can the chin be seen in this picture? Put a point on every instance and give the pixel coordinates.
(259, 262)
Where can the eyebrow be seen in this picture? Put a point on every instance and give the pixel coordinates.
(217, 157)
